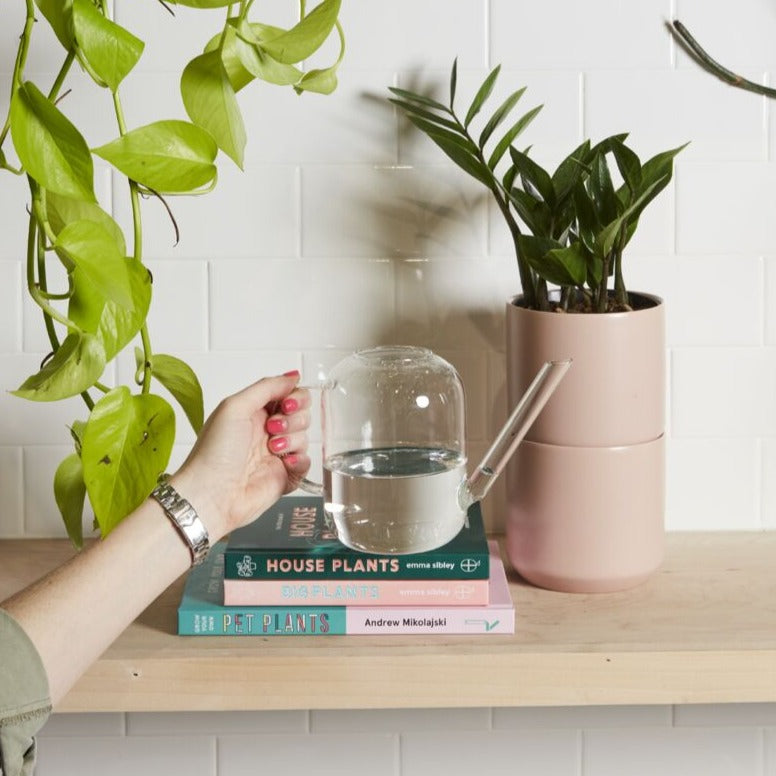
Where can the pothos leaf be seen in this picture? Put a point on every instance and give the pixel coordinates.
(49, 146)
(126, 446)
(93, 249)
(70, 495)
(63, 210)
(306, 37)
(75, 367)
(210, 101)
(181, 381)
(110, 51)
(168, 156)
(58, 13)
(112, 324)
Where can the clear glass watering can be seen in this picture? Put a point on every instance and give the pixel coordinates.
(394, 457)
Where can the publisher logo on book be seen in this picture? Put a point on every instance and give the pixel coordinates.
(469, 565)
(246, 567)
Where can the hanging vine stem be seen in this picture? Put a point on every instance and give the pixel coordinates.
(700, 55)
(137, 246)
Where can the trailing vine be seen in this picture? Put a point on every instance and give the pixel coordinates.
(125, 442)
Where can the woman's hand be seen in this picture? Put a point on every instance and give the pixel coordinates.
(251, 451)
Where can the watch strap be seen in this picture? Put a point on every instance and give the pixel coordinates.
(185, 519)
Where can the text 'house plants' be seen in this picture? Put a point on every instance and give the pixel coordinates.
(124, 443)
(585, 491)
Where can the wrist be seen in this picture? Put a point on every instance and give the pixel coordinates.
(201, 499)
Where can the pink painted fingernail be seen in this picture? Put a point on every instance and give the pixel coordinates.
(276, 426)
(290, 405)
(291, 459)
(278, 444)
(292, 373)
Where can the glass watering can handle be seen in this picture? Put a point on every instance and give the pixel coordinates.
(516, 427)
(309, 486)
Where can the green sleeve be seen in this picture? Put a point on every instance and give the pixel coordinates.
(24, 698)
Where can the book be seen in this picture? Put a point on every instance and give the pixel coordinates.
(201, 612)
(294, 540)
(365, 592)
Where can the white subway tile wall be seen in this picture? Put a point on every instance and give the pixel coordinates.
(349, 228)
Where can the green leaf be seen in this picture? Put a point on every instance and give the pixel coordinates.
(51, 149)
(70, 495)
(166, 156)
(458, 148)
(231, 56)
(64, 210)
(210, 101)
(93, 249)
(611, 231)
(320, 81)
(419, 98)
(422, 112)
(110, 50)
(499, 115)
(113, 325)
(506, 141)
(482, 95)
(306, 37)
(602, 190)
(126, 446)
(453, 82)
(535, 175)
(261, 65)
(629, 166)
(181, 381)
(565, 266)
(202, 3)
(533, 212)
(59, 14)
(570, 170)
(75, 367)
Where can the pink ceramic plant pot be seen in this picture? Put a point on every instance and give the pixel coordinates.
(586, 489)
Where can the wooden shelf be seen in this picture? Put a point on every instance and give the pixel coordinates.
(703, 630)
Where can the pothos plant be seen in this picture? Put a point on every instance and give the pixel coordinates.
(124, 442)
(570, 227)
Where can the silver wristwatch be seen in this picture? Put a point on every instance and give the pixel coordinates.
(185, 518)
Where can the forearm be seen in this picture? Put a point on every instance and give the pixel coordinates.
(73, 614)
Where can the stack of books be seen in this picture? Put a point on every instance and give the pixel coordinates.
(288, 574)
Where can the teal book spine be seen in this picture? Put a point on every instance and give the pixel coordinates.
(201, 611)
(294, 540)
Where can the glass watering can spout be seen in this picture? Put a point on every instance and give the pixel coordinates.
(514, 430)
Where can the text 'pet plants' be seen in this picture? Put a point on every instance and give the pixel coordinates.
(125, 442)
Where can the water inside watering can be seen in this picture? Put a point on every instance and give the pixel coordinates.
(388, 499)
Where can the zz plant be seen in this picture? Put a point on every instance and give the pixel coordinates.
(125, 441)
(578, 221)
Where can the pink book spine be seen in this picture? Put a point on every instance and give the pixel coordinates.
(333, 592)
(450, 619)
